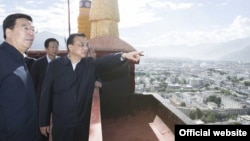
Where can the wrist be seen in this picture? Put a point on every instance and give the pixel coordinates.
(123, 56)
(98, 84)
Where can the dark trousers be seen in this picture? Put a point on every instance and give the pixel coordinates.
(76, 133)
(43, 138)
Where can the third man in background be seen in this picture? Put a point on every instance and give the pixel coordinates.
(39, 67)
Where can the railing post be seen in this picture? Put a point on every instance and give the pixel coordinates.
(95, 130)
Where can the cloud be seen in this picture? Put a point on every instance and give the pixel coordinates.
(172, 5)
(147, 16)
(47, 15)
(238, 29)
(135, 13)
(2, 10)
(32, 2)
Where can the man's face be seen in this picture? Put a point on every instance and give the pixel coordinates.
(22, 35)
(80, 47)
(52, 49)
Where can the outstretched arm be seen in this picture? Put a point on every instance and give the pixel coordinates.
(132, 56)
(108, 62)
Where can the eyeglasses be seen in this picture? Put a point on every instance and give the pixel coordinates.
(82, 45)
(27, 28)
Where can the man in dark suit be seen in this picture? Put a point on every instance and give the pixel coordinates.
(18, 105)
(39, 67)
(67, 93)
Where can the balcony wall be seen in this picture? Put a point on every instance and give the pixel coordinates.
(133, 121)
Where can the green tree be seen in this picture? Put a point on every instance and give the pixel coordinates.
(241, 79)
(192, 114)
(247, 83)
(198, 114)
(214, 99)
(210, 117)
(183, 104)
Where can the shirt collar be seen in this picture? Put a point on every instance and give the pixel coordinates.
(48, 59)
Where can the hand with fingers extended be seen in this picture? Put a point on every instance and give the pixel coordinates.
(133, 56)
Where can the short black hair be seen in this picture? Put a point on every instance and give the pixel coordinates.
(71, 38)
(47, 41)
(10, 21)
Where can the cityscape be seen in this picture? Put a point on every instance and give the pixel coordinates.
(210, 92)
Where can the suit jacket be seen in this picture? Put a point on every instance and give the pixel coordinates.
(38, 71)
(18, 107)
(67, 93)
(29, 61)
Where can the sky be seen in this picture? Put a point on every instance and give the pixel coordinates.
(149, 23)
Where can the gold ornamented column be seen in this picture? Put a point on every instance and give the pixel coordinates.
(104, 18)
(84, 25)
(104, 38)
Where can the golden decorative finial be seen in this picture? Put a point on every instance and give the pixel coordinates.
(104, 18)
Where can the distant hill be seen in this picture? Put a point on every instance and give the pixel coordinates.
(235, 50)
(241, 55)
(231, 50)
(38, 43)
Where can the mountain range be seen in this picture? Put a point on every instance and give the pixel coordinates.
(38, 43)
(234, 50)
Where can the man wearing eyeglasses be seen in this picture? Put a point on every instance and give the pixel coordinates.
(68, 88)
(18, 105)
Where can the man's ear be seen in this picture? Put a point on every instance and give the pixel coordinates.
(70, 47)
(8, 33)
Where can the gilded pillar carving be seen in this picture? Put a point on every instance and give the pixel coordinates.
(104, 18)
